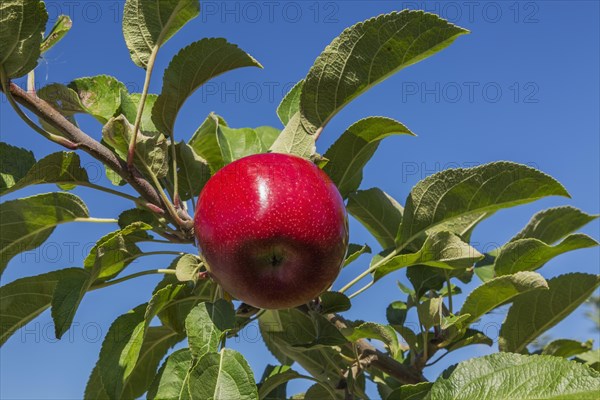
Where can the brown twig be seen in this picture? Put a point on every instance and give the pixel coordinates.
(370, 357)
(86, 143)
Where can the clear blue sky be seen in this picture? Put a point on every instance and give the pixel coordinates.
(523, 86)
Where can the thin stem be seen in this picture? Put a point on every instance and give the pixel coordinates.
(132, 276)
(50, 115)
(175, 178)
(97, 220)
(156, 241)
(438, 359)
(108, 190)
(368, 271)
(141, 105)
(50, 136)
(164, 198)
(362, 289)
(449, 291)
(164, 252)
(425, 347)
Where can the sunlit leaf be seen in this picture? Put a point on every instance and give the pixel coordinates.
(148, 24)
(530, 377)
(23, 23)
(355, 147)
(533, 313)
(190, 68)
(27, 222)
(454, 193)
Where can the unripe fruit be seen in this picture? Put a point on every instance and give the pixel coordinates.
(273, 230)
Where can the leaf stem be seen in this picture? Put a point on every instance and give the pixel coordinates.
(164, 252)
(132, 276)
(368, 271)
(164, 198)
(141, 105)
(362, 289)
(97, 220)
(108, 190)
(176, 198)
(449, 291)
(50, 136)
(49, 114)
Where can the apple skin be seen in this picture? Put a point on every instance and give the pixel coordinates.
(273, 230)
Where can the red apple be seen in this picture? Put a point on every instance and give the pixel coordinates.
(273, 230)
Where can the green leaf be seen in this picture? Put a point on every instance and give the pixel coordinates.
(333, 302)
(553, 224)
(441, 250)
(27, 222)
(147, 25)
(117, 250)
(171, 381)
(378, 212)
(454, 193)
(150, 148)
(484, 268)
(424, 279)
(129, 107)
(471, 336)
(320, 391)
(14, 164)
(190, 68)
(355, 251)
(366, 54)
(324, 333)
(61, 27)
(430, 312)
(23, 23)
(129, 217)
(396, 313)
(294, 139)
(535, 312)
(283, 330)
(192, 171)
(531, 254)
(188, 296)
(411, 392)
(26, 298)
(123, 349)
(276, 377)
(204, 142)
(566, 348)
(120, 350)
(238, 143)
(99, 96)
(94, 389)
(63, 168)
(187, 267)
(69, 291)
(499, 291)
(223, 375)
(530, 377)
(205, 325)
(157, 342)
(290, 104)
(372, 330)
(409, 337)
(590, 358)
(63, 99)
(355, 147)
